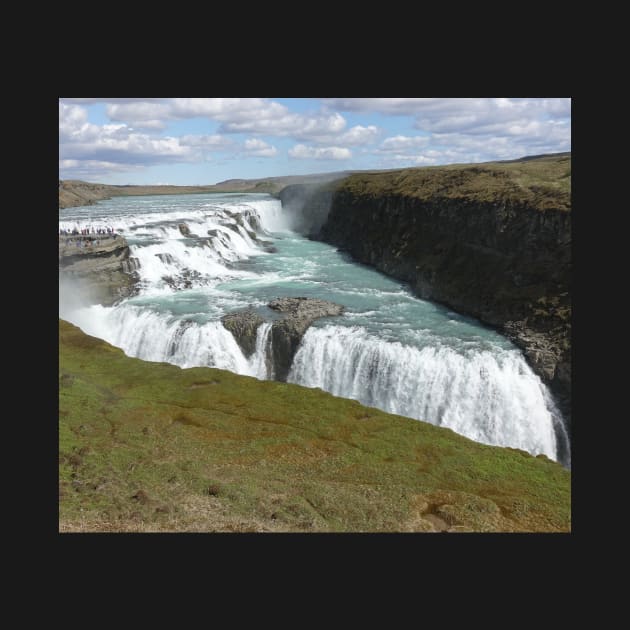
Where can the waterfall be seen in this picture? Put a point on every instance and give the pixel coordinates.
(219, 236)
(484, 391)
(260, 361)
(151, 336)
(490, 397)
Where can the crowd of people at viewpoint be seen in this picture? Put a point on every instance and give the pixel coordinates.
(105, 232)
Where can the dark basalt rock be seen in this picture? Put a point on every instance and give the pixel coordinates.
(99, 269)
(184, 229)
(305, 309)
(243, 325)
(184, 280)
(130, 265)
(307, 206)
(294, 316)
(251, 217)
(229, 225)
(286, 333)
(166, 258)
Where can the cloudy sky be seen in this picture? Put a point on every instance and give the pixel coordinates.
(208, 140)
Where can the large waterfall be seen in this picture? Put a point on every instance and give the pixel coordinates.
(202, 256)
(493, 397)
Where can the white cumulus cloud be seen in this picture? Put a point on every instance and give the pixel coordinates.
(141, 115)
(413, 131)
(240, 115)
(353, 137)
(303, 152)
(510, 116)
(259, 148)
(214, 141)
(297, 125)
(398, 143)
(84, 145)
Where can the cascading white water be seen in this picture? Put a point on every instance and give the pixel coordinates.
(404, 356)
(158, 337)
(153, 337)
(216, 239)
(493, 398)
(260, 360)
(164, 223)
(218, 236)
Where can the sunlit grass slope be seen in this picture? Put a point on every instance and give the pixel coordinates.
(151, 447)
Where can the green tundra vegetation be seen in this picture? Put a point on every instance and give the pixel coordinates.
(542, 183)
(149, 447)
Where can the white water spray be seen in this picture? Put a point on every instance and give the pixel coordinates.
(260, 361)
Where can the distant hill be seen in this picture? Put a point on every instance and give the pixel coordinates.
(74, 192)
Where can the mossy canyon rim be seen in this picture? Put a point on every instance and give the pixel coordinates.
(489, 240)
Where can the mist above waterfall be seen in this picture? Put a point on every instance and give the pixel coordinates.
(307, 207)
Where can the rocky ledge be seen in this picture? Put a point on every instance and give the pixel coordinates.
(98, 267)
(244, 326)
(291, 319)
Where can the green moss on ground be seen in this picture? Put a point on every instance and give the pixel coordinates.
(151, 447)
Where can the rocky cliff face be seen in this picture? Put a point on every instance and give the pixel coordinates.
(101, 269)
(494, 243)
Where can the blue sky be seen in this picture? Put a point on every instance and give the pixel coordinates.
(208, 140)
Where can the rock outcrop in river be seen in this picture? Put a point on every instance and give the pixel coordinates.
(291, 319)
(286, 333)
(244, 326)
(489, 240)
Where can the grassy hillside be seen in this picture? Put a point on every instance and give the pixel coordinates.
(541, 182)
(151, 447)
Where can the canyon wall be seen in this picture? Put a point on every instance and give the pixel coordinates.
(492, 241)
